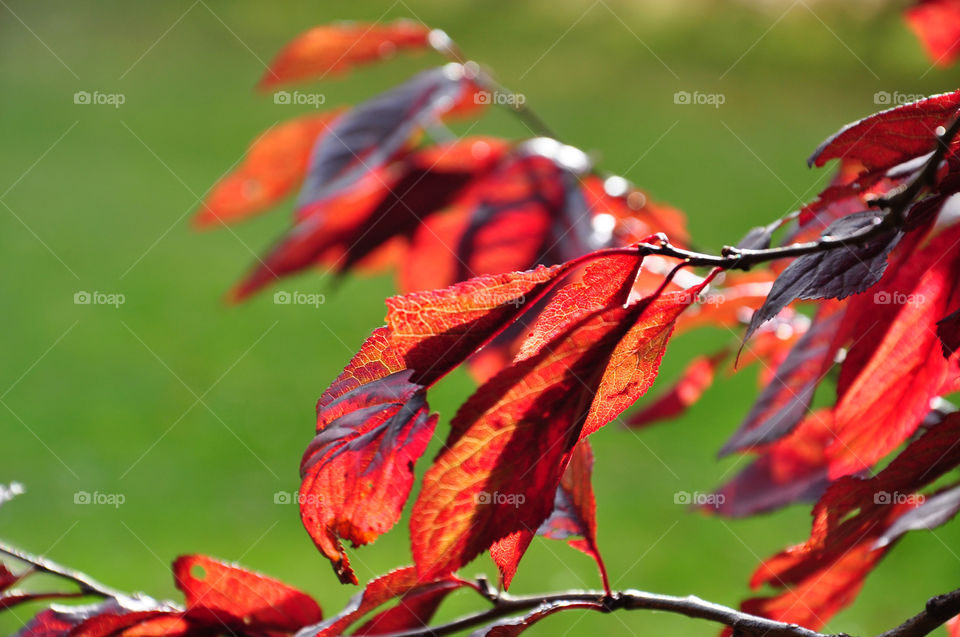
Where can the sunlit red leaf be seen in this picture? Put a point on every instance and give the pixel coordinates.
(335, 48)
(936, 24)
(635, 361)
(825, 573)
(730, 302)
(358, 470)
(373, 423)
(821, 595)
(225, 595)
(420, 599)
(507, 450)
(524, 422)
(894, 367)
(414, 609)
(793, 469)
(693, 381)
(892, 136)
(274, 166)
(574, 516)
(390, 203)
(151, 623)
(636, 216)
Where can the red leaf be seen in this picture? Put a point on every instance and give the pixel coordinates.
(511, 441)
(731, 300)
(274, 166)
(388, 203)
(892, 136)
(695, 379)
(437, 330)
(635, 362)
(335, 48)
(793, 469)
(420, 600)
(894, 367)
(825, 573)
(636, 215)
(373, 423)
(414, 609)
(358, 471)
(821, 595)
(953, 627)
(151, 623)
(575, 509)
(507, 450)
(222, 594)
(936, 24)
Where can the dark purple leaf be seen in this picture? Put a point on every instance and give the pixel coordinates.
(373, 132)
(935, 511)
(832, 274)
(948, 329)
(784, 401)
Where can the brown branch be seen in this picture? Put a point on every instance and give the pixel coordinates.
(938, 610)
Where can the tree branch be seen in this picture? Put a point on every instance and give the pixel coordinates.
(938, 610)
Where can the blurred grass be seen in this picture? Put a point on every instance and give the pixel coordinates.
(197, 412)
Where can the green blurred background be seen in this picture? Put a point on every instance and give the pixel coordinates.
(197, 412)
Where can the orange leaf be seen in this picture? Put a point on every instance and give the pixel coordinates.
(336, 48)
(274, 166)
